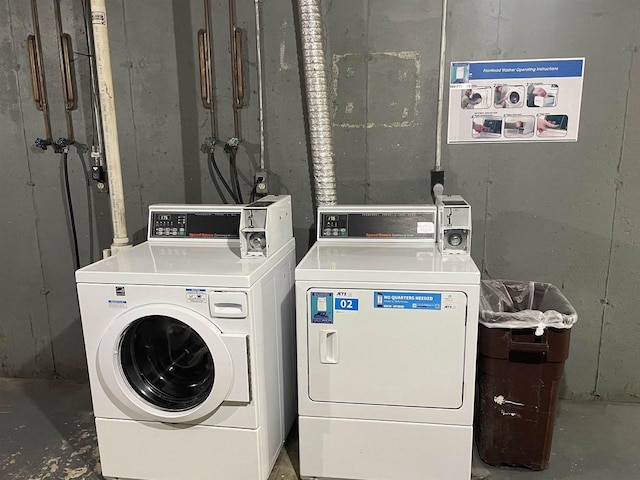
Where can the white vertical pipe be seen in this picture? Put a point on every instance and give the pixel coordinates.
(443, 75)
(260, 75)
(111, 144)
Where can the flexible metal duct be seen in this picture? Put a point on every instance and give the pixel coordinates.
(319, 111)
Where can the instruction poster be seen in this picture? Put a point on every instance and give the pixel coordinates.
(515, 101)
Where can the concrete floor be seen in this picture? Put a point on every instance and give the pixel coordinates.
(47, 432)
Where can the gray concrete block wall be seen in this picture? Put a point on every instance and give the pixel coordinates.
(549, 209)
(620, 334)
(24, 334)
(562, 213)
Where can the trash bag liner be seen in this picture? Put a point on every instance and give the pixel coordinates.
(512, 304)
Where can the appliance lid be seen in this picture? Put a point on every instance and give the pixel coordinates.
(386, 263)
(156, 263)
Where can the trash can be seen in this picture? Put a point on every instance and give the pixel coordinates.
(523, 342)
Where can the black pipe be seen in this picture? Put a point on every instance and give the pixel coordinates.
(212, 160)
(234, 171)
(72, 220)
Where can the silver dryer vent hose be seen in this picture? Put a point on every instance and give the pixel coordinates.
(318, 104)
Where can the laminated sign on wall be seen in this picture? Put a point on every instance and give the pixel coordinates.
(515, 100)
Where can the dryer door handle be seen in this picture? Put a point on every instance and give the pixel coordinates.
(329, 346)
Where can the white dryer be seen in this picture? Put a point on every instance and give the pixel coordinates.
(386, 329)
(191, 350)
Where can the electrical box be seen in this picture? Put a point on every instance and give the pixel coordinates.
(454, 225)
(265, 226)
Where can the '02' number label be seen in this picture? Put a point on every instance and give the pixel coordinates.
(346, 304)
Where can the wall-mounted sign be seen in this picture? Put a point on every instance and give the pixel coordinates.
(515, 101)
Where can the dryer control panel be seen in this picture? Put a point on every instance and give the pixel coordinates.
(367, 222)
(192, 222)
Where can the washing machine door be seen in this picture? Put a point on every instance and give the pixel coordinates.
(164, 362)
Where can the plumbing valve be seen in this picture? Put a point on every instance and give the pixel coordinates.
(61, 146)
(232, 145)
(41, 143)
(209, 145)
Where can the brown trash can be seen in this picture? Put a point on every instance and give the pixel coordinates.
(518, 381)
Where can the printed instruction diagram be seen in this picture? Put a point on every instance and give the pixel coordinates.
(515, 101)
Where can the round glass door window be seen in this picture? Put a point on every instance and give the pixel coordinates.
(167, 363)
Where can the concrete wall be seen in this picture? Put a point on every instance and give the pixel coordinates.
(562, 213)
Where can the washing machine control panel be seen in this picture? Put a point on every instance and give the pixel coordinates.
(180, 225)
(371, 223)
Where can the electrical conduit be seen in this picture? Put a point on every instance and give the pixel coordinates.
(441, 85)
(318, 106)
(260, 76)
(111, 144)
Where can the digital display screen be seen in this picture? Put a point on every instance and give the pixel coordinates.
(378, 225)
(220, 225)
(334, 225)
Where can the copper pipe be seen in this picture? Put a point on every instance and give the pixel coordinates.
(64, 52)
(67, 51)
(38, 69)
(204, 84)
(207, 87)
(35, 79)
(239, 100)
(234, 69)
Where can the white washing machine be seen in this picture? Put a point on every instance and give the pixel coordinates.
(191, 350)
(386, 334)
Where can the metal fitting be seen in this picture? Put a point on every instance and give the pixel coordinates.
(41, 143)
(95, 154)
(209, 145)
(61, 146)
(232, 145)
